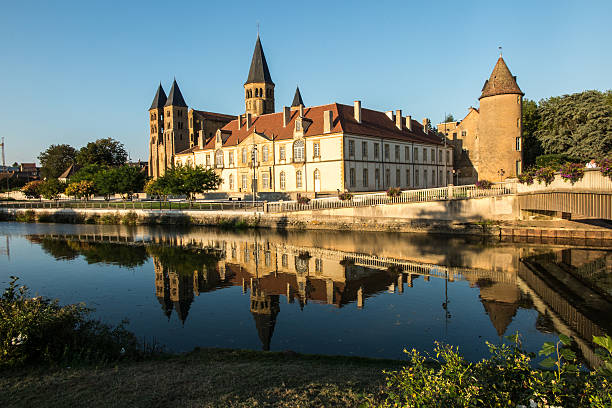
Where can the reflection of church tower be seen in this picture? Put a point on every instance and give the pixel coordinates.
(162, 288)
(181, 293)
(264, 309)
(500, 301)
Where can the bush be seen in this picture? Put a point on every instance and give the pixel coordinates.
(345, 196)
(26, 216)
(545, 175)
(572, 172)
(394, 192)
(51, 189)
(303, 200)
(40, 330)
(484, 184)
(527, 176)
(605, 166)
(554, 160)
(32, 189)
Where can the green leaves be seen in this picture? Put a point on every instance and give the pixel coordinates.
(547, 349)
(604, 341)
(565, 340)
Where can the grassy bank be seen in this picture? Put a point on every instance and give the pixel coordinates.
(203, 378)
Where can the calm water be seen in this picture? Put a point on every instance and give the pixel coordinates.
(366, 294)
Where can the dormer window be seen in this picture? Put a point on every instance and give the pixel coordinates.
(298, 125)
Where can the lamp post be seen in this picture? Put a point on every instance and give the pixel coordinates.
(254, 183)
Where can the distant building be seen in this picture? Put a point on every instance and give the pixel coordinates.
(487, 142)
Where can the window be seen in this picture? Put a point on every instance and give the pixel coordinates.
(298, 151)
(448, 161)
(246, 254)
(408, 177)
(416, 178)
(398, 177)
(285, 260)
(433, 178)
(386, 152)
(365, 177)
(231, 158)
(463, 133)
(376, 150)
(281, 152)
(377, 177)
(441, 174)
(208, 159)
(519, 167)
(245, 183)
(351, 148)
(406, 154)
(317, 178)
(439, 156)
(317, 150)
(352, 177)
(283, 181)
(518, 144)
(424, 155)
(318, 265)
(298, 179)
(264, 153)
(433, 156)
(415, 157)
(364, 150)
(244, 155)
(387, 178)
(231, 181)
(265, 180)
(219, 158)
(397, 154)
(267, 258)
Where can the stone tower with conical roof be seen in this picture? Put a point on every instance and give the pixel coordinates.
(259, 88)
(156, 136)
(297, 98)
(499, 143)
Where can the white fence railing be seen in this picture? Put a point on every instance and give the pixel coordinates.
(593, 180)
(410, 196)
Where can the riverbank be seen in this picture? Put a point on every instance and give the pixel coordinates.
(202, 378)
(507, 230)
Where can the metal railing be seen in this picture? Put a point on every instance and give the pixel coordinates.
(134, 205)
(409, 196)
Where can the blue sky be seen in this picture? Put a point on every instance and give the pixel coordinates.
(73, 72)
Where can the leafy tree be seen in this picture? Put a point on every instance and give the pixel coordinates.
(532, 147)
(579, 125)
(51, 188)
(88, 172)
(81, 189)
(32, 189)
(186, 180)
(103, 151)
(124, 180)
(449, 118)
(56, 159)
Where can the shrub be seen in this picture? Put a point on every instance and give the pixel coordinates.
(527, 176)
(26, 216)
(345, 196)
(545, 175)
(605, 166)
(32, 189)
(51, 188)
(131, 218)
(484, 184)
(572, 172)
(554, 160)
(303, 200)
(394, 192)
(40, 330)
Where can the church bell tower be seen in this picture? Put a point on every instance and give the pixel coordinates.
(259, 88)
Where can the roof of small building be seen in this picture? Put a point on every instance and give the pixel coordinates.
(160, 98)
(297, 98)
(500, 82)
(259, 71)
(214, 115)
(68, 172)
(175, 98)
(373, 124)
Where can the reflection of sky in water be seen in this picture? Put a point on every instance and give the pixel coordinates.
(481, 309)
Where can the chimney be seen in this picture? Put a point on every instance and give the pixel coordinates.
(389, 114)
(425, 120)
(301, 110)
(239, 122)
(358, 111)
(328, 120)
(286, 115)
(398, 119)
(201, 139)
(248, 120)
(409, 122)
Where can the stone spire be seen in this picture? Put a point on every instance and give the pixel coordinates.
(297, 99)
(500, 82)
(160, 98)
(175, 98)
(259, 71)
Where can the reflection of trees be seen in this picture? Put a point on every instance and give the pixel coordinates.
(104, 252)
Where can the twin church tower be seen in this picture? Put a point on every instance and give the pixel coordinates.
(175, 128)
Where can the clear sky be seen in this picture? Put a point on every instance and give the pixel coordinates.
(75, 71)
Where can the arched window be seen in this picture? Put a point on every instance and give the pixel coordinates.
(298, 179)
(283, 182)
(298, 151)
(317, 175)
(231, 181)
(256, 92)
(219, 158)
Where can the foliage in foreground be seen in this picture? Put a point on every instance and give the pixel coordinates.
(506, 379)
(36, 329)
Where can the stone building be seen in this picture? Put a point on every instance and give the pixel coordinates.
(316, 150)
(487, 142)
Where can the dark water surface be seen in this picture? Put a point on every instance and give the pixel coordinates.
(366, 294)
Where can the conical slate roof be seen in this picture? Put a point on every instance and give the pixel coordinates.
(501, 81)
(259, 71)
(297, 99)
(175, 98)
(160, 98)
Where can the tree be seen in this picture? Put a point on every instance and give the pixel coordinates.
(532, 147)
(32, 189)
(129, 179)
(449, 118)
(56, 159)
(579, 125)
(51, 188)
(103, 151)
(80, 189)
(88, 172)
(185, 180)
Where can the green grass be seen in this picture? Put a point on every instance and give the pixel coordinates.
(202, 378)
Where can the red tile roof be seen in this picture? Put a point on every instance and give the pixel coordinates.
(373, 124)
